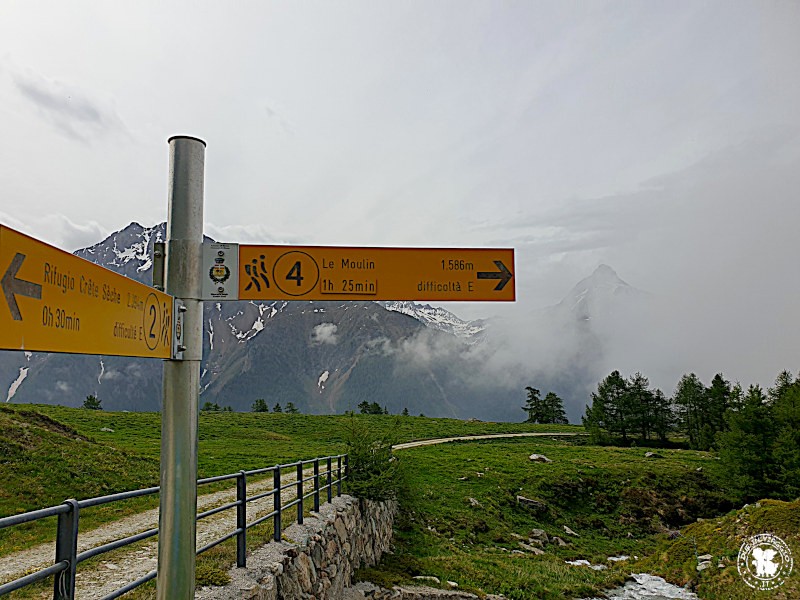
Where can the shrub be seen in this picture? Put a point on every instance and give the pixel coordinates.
(93, 403)
(374, 472)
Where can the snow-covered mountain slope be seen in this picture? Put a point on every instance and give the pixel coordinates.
(127, 251)
(436, 318)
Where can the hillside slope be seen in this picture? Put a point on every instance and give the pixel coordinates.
(722, 538)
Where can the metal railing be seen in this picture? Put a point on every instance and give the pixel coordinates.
(67, 557)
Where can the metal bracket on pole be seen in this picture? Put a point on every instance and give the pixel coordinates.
(178, 347)
(159, 252)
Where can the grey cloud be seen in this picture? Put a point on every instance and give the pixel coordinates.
(71, 112)
(712, 243)
(110, 375)
(277, 117)
(325, 333)
(253, 233)
(71, 235)
(64, 232)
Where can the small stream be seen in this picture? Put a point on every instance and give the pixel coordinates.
(647, 587)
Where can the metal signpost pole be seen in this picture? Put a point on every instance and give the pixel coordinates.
(181, 384)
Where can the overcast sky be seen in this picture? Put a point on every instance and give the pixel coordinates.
(662, 138)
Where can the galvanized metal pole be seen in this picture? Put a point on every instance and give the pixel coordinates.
(181, 384)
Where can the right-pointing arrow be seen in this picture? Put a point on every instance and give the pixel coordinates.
(504, 275)
(11, 286)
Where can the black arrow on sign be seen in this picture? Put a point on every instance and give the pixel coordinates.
(12, 286)
(504, 275)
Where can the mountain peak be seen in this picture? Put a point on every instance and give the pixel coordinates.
(127, 251)
(604, 273)
(603, 278)
(598, 293)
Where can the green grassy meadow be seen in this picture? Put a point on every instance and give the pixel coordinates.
(460, 519)
(464, 523)
(51, 453)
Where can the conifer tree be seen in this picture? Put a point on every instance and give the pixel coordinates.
(746, 448)
(611, 396)
(689, 399)
(638, 405)
(663, 416)
(785, 402)
(534, 406)
(554, 409)
(717, 401)
(260, 405)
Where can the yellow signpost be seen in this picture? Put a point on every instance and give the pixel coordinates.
(339, 273)
(54, 301)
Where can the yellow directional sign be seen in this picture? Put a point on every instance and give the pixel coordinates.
(54, 301)
(334, 273)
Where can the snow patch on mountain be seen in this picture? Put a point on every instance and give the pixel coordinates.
(23, 373)
(244, 335)
(322, 379)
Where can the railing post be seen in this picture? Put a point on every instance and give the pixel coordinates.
(339, 475)
(300, 492)
(330, 480)
(346, 466)
(241, 519)
(67, 549)
(316, 485)
(276, 496)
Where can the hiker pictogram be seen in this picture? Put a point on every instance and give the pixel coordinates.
(257, 270)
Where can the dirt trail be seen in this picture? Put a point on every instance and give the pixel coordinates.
(471, 438)
(128, 564)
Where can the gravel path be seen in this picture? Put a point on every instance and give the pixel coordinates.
(126, 565)
(472, 438)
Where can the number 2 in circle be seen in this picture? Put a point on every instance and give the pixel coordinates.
(154, 314)
(152, 322)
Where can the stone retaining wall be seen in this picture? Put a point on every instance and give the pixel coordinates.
(369, 591)
(316, 560)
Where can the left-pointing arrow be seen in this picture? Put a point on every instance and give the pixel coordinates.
(13, 286)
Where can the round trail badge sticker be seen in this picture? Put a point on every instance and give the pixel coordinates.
(765, 561)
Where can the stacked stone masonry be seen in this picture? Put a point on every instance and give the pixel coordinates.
(369, 591)
(315, 560)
